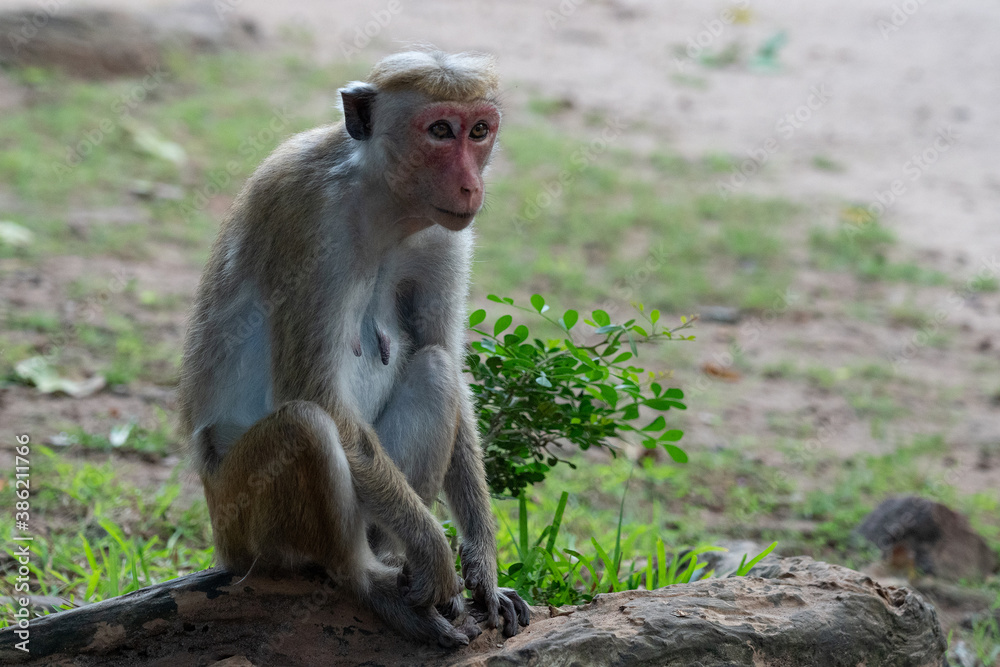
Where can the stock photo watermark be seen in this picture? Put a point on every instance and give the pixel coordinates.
(954, 301)
(21, 553)
(30, 25)
(579, 160)
(363, 34)
(901, 14)
(122, 107)
(785, 128)
(250, 149)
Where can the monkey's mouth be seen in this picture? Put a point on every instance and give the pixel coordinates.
(460, 216)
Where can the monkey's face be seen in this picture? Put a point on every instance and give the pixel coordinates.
(449, 145)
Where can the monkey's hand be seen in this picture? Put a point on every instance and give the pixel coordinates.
(480, 575)
(428, 577)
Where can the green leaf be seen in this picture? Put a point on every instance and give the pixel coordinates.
(521, 332)
(673, 435)
(744, 569)
(556, 521)
(477, 317)
(538, 302)
(609, 395)
(676, 453)
(661, 563)
(656, 425)
(601, 318)
(624, 356)
(610, 569)
(663, 404)
(569, 318)
(494, 297)
(639, 330)
(654, 316)
(631, 343)
(673, 393)
(502, 323)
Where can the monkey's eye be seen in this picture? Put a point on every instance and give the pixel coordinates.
(479, 131)
(441, 130)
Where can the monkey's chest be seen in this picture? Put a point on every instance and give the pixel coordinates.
(377, 357)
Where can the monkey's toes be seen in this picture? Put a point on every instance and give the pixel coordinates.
(453, 638)
(510, 617)
(520, 606)
(469, 628)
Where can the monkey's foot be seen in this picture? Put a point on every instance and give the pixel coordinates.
(505, 602)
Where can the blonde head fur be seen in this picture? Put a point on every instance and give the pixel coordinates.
(460, 77)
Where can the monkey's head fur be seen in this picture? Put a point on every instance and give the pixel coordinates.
(426, 122)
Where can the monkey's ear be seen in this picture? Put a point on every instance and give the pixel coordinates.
(357, 99)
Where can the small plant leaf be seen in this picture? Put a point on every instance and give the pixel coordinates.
(656, 425)
(502, 323)
(676, 453)
(569, 318)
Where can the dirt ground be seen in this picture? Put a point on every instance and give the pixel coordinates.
(895, 73)
(894, 90)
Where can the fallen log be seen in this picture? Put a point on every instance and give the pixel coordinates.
(793, 611)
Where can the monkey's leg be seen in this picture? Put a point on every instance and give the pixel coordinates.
(417, 430)
(283, 495)
(417, 426)
(429, 430)
(469, 500)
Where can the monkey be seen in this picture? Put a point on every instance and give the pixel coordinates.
(321, 388)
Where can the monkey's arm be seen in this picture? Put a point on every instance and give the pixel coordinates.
(469, 499)
(391, 502)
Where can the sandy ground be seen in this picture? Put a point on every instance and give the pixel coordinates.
(896, 74)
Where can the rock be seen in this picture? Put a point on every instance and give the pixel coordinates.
(794, 611)
(916, 534)
(723, 314)
(100, 43)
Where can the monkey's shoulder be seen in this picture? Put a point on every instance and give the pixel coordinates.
(305, 157)
(288, 186)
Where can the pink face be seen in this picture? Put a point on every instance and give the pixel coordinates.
(455, 141)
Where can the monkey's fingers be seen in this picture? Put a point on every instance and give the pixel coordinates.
(479, 612)
(469, 628)
(510, 617)
(520, 606)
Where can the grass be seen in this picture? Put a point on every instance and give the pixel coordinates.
(98, 536)
(701, 248)
(691, 247)
(863, 246)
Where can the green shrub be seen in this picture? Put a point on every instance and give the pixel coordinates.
(535, 397)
